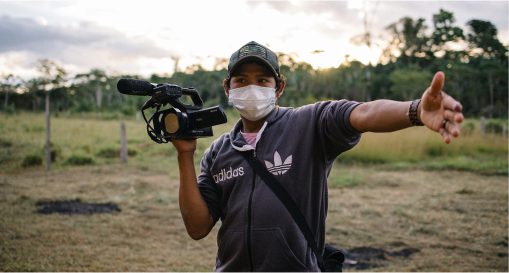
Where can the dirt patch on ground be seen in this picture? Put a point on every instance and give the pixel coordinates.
(362, 258)
(75, 206)
(392, 221)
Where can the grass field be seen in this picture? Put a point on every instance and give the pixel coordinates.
(22, 136)
(404, 190)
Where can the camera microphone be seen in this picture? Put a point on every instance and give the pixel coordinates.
(135, 87)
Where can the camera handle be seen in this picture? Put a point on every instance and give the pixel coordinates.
(164, 93)
(195, 97)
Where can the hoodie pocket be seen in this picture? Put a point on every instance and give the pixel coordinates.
(232, 254)
(271, 252)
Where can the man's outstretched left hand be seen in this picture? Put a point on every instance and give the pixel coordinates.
(439, 111)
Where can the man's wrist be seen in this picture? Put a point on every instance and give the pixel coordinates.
(185, 154)
(413, 113)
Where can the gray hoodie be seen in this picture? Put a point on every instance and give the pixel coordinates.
(298, 146)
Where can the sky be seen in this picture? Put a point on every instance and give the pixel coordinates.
(146, 37)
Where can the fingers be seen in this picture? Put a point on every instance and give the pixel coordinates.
(453, 116)
(451, 104)
(452, 128)
(449, 130)
(437, 84)
(445, 136)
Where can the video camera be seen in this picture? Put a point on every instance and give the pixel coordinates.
(183, 121)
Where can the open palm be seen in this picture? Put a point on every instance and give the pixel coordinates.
(439, 111)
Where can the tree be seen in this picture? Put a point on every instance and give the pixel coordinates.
(407, 42)
(476, 74)
(483, 41)
(490, 56)
(366, 38)
(94, 84)
(298, 77)
(409, 83)
(445, 34)
(9, 84)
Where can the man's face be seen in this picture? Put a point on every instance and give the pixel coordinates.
(252, 74)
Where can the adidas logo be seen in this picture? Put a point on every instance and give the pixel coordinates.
(279, 167)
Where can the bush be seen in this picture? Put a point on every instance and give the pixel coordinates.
(31, 160)
(128, 110)
(9, 110)
(108, 152)
(83, 106)
(55, 152)
(434, 150)
(468, 128)
(79, 160)
(113, 152)
(494, 127)
(4, 143)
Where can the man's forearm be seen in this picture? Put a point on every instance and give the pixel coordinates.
(193, 208)
(381, 116)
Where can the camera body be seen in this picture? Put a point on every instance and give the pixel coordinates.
(180, 120)
(174, 124)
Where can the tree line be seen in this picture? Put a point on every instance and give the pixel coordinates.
(473, 58)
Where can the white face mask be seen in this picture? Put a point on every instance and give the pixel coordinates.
(253, 102)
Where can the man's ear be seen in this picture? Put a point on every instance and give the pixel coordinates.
(226, 87)
(282, 85)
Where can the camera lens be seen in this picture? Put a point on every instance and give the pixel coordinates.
(171, 122)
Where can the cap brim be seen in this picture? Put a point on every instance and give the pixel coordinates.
(252, 59)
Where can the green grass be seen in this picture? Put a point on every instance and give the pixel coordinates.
(96, 136)
(489, 166)
(345, 181)
(418, 147)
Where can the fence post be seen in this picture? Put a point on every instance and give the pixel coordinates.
(123, 143)
(47, 146)
(482, 126)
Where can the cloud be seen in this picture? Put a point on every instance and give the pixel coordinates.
(347, 14)
(83, 45)
(142, 37)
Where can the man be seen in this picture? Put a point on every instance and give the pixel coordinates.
(298, 146)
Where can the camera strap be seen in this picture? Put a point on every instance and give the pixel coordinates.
(287, 201)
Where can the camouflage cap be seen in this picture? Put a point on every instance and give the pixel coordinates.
(254, 51)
